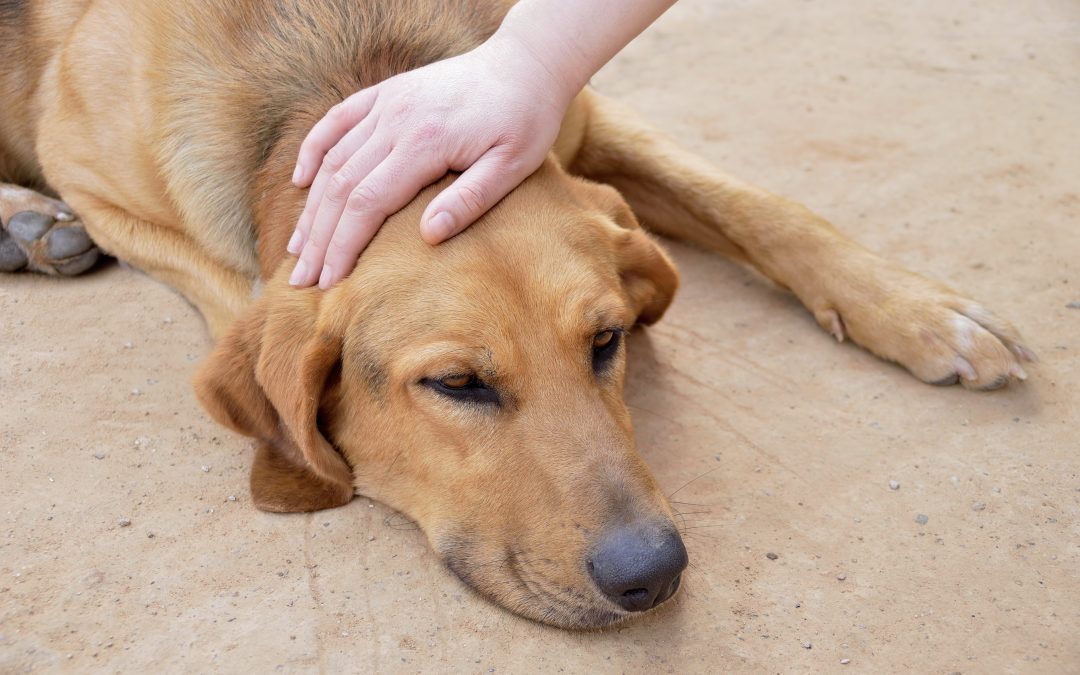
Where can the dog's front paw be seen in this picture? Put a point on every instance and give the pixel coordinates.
(42, 234)
(939, 335)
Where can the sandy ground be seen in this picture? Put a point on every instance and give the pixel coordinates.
(943, 133)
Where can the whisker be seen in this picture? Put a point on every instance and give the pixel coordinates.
(715, 468)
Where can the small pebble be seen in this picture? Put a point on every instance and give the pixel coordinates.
(231, 498)
(844, 662)
(128, 345)
(841, 577)
(124, 522)
(371, 538)
(1075, 304)
(807, 645)
(771, 556)
(135, 392)
(99, 455)
(922, 519)
(167, 319)
(978, 506)
(894, 485)
(205, 468)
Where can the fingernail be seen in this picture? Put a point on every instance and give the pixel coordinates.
(295, 243)
(296, 174)
(440, 226)
(299, 273)
(324, 278)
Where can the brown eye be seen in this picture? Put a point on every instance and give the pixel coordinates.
(605, 345)
(603, 339)
(466, 388)
(456, 381)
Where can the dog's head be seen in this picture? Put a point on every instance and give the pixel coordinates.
(477, 387)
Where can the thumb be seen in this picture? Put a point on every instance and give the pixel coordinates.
(469, 197)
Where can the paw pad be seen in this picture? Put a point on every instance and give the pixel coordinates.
(39, 242)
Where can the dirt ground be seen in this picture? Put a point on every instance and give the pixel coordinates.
(946, 134)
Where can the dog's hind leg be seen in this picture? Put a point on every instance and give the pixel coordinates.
(41, 234)
(936, 333)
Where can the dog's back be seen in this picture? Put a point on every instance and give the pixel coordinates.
(224, 83)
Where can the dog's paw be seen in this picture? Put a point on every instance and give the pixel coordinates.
(939, 335)
(42, 235)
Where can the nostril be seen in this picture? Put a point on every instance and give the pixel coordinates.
(638, 565)
(637, 595)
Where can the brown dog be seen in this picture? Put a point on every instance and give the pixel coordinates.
(477, 385)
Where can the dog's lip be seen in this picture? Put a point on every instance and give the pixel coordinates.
(548, 606)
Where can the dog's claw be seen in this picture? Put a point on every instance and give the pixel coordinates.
(965, 369)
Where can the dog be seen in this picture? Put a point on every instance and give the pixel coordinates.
(475, 386)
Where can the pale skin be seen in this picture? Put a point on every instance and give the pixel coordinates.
(492, 113)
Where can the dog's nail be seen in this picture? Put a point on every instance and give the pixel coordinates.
(1018, 372)
(440, 226)
(1025, 354)
(299, 273)
(65, 217)
(325, 277)
(966, 370)
(295, 242)
(296, 174)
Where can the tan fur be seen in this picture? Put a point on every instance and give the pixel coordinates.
(171, 128)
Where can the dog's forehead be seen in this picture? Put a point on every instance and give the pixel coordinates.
(535, 278)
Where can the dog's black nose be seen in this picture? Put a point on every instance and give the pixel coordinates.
(639, 565)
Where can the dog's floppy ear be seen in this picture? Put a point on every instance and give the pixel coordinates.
(648, 276)
(265, 379)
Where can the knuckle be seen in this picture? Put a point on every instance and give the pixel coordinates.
(473, 198)
(362, 198)
(338, 112)
(336, 248)
(430, 129)
(340, 186)
(335, 159)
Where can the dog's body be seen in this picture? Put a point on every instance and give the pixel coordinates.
(476, 385)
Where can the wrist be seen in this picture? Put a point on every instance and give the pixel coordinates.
(555, 70)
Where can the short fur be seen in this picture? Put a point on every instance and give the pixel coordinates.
(172, 127)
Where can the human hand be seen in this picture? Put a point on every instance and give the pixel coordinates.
(492, 113)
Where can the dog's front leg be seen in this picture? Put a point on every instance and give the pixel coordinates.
(938, 334)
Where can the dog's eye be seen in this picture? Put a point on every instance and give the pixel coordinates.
(466, 388)
(605, 346)
(457, 381)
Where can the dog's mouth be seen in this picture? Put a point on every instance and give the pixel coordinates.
(517, 581)
(541, 588)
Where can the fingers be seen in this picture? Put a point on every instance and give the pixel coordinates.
(328, 131)
(487, 181)
(332, 163)
(386, 190)
(330, 206)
